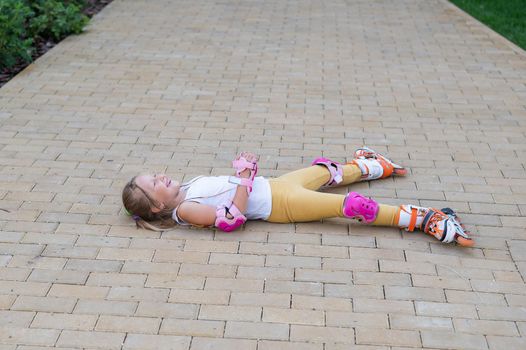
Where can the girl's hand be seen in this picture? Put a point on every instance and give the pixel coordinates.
(250, 157)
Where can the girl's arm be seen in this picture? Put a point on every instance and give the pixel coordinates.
(205, 215)
(241, 197)
(197, 214)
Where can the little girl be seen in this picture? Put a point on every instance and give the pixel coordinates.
(227, 202)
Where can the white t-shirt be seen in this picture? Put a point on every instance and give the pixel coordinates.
(216, 190)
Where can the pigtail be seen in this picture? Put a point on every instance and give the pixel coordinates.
(148, 226)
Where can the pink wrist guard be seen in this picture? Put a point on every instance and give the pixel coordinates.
(226, 224)
(356, 206)
(240, 164)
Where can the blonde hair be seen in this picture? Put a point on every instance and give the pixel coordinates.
(138, 204)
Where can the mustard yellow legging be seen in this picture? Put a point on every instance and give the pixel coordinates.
(295, 197)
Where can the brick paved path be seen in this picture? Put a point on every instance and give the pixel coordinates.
(181, 86)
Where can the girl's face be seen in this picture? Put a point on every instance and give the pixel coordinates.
(161, 189)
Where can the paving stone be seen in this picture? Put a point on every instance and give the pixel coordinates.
(46, 304)
(199, 296)
(137, 294)
(6, 301)
(327, 276)
(410, 322)
(14, 274)
(28, 336)
(383, 306)
(16, 319)
(499, 342)
(237, 259)
(305, 288)
(94, 265)
(234, 285)
(115, 279)
(461, 297)
(320, 303)
(455, 283)
(498, 287)
(501, 313)
(293, 316)
(74, 291)
(382, 278)
(352, 291)
(260, 299)
(159, 309)
(315, 334)
(125, 254)
(146, 341)
(230, 313)
(356, 319)
(320, 251)
(58, 276)
(105, 307)
(293, 261)
(350, 264)
(281, 345)
(444, 340)
(195, 328)
(425, 308)
(174, 281)
(64, 321)
(486, 327)
(414, 293)
(256, 330)
(419, 268)
(109, 323)
(265, 273)
(222, 344)
(390, 337)
(151, 268)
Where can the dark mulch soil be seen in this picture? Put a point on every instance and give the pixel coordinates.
(42, 46)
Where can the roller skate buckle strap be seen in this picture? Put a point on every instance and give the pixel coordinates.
(359, 207)
(376, 164)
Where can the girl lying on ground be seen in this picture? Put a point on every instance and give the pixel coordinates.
(157, 202)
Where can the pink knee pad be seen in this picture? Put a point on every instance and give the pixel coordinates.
(359, 207)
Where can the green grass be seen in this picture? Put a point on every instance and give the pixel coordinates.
(506, 17)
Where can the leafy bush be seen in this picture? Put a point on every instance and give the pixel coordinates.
(23, 22)
(14, 43)
(55, 19)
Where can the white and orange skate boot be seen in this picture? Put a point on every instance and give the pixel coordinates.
(443, 224)
(375, 165)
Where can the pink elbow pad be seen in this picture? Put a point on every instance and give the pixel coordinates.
(225, 223)
(359, 207)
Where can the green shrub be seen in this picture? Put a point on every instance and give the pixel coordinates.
(14, 43)
(23, 22)
(55, 19)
